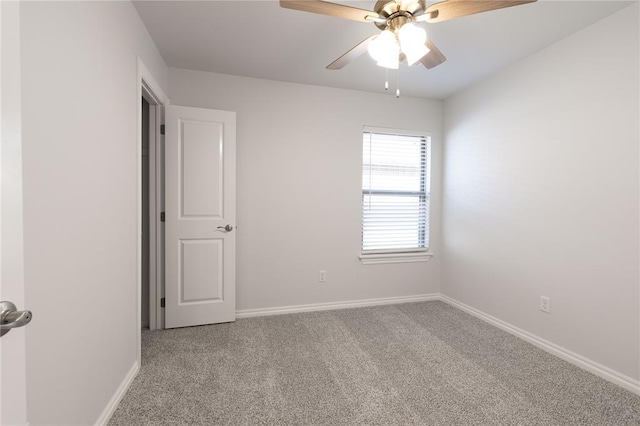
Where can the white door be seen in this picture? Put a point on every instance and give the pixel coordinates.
(200, 202)
(13, 393)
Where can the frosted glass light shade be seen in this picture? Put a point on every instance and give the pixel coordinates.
(412, 41)
(391, 58)
(384, 49)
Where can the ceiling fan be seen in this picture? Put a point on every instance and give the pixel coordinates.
(400, 40)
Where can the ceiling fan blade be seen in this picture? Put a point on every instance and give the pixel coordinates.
(331, 9)
(352, 54)
(451, 9)
(434, 57)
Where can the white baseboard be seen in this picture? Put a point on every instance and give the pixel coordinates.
(118, 395)
(565, 354)
(247, 313)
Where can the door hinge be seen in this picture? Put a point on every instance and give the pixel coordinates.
(162, 129)
(162, 302)
(161, 216)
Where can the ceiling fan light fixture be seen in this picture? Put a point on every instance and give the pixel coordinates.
(374, 48)
(412, 42)
(384, 49)
(415, 53)
(380, 44)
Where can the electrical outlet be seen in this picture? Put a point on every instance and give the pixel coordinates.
(545, 304)
(322, 276)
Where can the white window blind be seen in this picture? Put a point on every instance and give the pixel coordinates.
(395, 192)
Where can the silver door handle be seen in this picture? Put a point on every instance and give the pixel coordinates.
(11, 317)
(227, 228)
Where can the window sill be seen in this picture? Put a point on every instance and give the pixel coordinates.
(371, 259)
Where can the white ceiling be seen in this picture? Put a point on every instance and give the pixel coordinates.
(262, 40)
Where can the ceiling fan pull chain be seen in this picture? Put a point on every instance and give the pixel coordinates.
(398, 84)
(386, 79)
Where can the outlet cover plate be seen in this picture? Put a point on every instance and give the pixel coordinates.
(545, 304)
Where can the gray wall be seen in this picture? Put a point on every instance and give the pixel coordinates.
(80, 105)
(299, 177)
(541, 194)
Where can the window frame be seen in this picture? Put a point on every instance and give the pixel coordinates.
(417, 254)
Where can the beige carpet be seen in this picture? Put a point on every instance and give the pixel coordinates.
(412, 364)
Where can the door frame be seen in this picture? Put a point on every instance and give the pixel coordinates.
(149, 89)
(13, 364)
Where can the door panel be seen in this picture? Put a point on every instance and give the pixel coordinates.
(201, 264)
(201, 147)
(199, 203)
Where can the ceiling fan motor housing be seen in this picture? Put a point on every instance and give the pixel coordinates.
(397, 14)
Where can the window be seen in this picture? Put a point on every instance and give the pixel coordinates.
(395, 195)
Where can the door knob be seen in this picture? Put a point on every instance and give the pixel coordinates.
(227, 228)
(11, 317)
